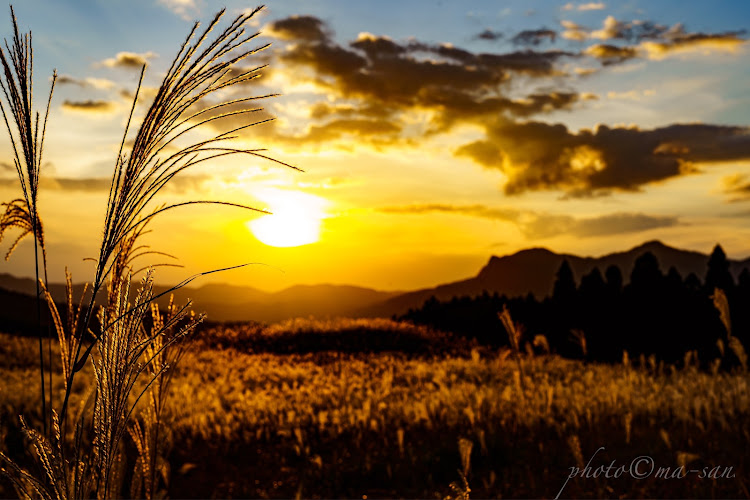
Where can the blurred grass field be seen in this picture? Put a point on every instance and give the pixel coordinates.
(349, 408)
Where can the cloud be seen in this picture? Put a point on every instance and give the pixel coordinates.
(381, 92)
(96, 83)
(92, 107)
(584, 71)
(306, 28)
(483, 211)
(633, 95)
(535, 225)
(678, 41)
(379, 68)
(611, 54)
(547, 226)
(186, 9)
(541, 156)
(737, 187)
(649, 39)
(573, 31)
(534, 37)
(612, 29)
(489, 35)
(92, 184)
(584, 6)
(179, 184)
(384, 131)
(378, 78)
(128, 60)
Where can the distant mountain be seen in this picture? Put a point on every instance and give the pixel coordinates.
(527, 271)
(533, 271)
(224, 302)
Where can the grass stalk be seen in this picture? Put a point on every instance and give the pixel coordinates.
(200, 68)
(16, 83)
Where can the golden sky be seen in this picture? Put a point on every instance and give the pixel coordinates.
(431, 136)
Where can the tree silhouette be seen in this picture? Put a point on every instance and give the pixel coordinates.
(646, 273)
(718, 275)
(592, 284)
(693, 282)
(614, 279)
(564, 289)
(644, 297)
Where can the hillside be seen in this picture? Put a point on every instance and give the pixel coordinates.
(533, 271)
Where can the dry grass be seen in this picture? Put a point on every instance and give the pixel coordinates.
(386, 425)
(129, 345)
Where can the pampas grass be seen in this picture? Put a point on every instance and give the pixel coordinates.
(16, 83)
(132, 347)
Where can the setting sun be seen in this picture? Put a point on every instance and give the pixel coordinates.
(294, 220)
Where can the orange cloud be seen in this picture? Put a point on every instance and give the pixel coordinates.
(90, 107)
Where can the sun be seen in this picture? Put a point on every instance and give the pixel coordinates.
(295, 218)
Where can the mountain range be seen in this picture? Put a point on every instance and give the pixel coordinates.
(527, 271)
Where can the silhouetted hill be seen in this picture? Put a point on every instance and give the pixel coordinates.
(527, 271)
(18, 313)
(533, 271)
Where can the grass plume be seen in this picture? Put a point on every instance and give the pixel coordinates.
(131, 346)
(16, 83)
(200, 68)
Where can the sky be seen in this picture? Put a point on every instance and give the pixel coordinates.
(430, 134)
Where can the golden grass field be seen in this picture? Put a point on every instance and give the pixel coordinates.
(391, 418)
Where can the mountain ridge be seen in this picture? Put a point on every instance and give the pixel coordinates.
(530, 270)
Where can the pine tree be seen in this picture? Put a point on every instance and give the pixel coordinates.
(718, 275)
(564, 289)
(614, 279)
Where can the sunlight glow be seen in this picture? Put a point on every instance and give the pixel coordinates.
(295, 218)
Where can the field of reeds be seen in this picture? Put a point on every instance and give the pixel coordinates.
(266, 412)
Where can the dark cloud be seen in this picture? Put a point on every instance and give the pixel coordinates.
(323, 109)
(373, 80)
(306, 28)
(68, 80)
(128, 60)
(541, 225)
(488, 35)
(379, 47)
(541, 156)
(534, 37)
(373, 83)
(90, 106)
(378, 67)
(96, 83)
(402, 76)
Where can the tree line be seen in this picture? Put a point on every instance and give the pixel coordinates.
(601, 316)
